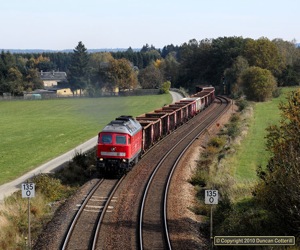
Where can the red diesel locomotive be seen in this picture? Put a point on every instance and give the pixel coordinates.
(119, 144)
(122, 141)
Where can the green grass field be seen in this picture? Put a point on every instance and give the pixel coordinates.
(33, 132)
(252, 151)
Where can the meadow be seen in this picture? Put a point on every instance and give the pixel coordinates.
(252, 151)
(33, 132)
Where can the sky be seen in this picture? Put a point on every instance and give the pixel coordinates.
(61, 24)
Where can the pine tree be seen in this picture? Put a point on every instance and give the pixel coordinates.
(78, 71)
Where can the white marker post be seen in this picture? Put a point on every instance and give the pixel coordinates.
(211, 198)
(28, 191)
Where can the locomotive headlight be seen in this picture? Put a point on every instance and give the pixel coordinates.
(100, 159)
(124, 160)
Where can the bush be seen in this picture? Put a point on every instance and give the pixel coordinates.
(217, 142)
(79, 170)
(243, 218)
(234, 118)
(233, 130)
(200, 209)
(14, 219)
(165, 87)
(198, 179)
(276, 93)
(258, 83)
(51, 188)
(242, 104)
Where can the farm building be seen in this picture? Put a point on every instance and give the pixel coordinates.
(51, 79)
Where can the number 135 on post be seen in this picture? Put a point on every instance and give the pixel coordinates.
(28, 190)
(211, 197)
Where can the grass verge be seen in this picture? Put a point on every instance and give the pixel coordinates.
(230, 167)
(51, 191)
(252, 153)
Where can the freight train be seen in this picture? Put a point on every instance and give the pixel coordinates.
(122, 142)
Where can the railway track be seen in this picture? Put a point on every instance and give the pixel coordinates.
(83, 230)
(153, 221)
(141, 225)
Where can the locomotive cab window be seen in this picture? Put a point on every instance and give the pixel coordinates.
(121, 139)
(106, 139)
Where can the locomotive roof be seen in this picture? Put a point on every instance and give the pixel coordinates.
(123, 124)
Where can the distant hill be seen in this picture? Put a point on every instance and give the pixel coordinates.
(39, 51)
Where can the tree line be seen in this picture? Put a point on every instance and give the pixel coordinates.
(234, 65)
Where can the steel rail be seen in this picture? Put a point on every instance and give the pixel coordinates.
(75, 219)
(100, 221)
(171, 175)
(152, 176)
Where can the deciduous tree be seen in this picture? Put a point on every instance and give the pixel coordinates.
(278, 191)
(122, 74)
(33, 81)
(258, 84)
(232, 75)
(170, 67)
(150, 77)
(15, 81)
(264, 54)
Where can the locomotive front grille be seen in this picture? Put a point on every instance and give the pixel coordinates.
(104, 153)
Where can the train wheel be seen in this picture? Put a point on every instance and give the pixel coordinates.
(136, 160)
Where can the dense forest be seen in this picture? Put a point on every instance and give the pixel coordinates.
(235, 65)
